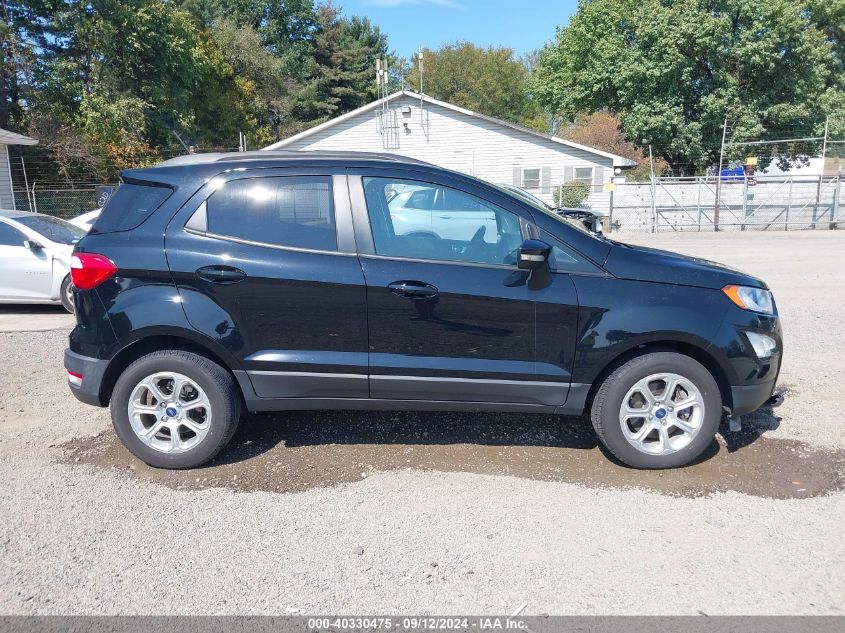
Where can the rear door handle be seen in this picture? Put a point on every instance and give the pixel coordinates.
(221, 274)
(413, 289)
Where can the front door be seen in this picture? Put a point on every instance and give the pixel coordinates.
(27, 272)
(266, 264)
(450, 317)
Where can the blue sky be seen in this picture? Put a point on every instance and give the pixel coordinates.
(523, 26)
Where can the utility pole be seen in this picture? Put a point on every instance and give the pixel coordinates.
(719, 177)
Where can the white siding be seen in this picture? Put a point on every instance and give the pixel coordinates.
(7, 199)
(458, 141)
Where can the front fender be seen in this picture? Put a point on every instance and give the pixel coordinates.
(617, 316)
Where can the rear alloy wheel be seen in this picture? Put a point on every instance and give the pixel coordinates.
(169, 412)
(660, 410)
(175, 409)
(66, 294)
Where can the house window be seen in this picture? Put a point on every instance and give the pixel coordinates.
(530, 178)
(583, 174)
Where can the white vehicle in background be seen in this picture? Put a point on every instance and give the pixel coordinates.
(443, 213)
(86, 220)
(35, 253)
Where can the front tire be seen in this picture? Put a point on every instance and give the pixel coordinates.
(175, 409)
(66, 294)
(659, 410)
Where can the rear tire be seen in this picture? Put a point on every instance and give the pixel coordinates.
(175, 409)
(645, 426)
(66, 294)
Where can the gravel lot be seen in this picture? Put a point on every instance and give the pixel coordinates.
(349, 512)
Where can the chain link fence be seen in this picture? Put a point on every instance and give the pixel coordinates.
(708, 204)
(63, 201)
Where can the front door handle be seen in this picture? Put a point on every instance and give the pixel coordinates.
(413, 289)
(221, 274)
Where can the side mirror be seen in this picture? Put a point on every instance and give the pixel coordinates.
(33, 245)
(532, 254)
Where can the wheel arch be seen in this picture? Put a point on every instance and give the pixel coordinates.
(687, 349)
(155, 342)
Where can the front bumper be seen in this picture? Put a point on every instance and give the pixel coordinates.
(748, 398)
(92, 370)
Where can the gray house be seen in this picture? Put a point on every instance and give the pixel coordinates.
(7, 197)
(449, 136)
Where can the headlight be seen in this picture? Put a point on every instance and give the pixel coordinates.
(748, 298)
(763, 345)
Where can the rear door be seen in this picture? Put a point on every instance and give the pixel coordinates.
(450, 317)
(265, 262)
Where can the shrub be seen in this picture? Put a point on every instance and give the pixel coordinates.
(573, 194)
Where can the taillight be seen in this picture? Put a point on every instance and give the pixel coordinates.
(89, 270)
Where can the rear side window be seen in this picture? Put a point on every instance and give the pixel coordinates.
(129, 206)
(287, 211)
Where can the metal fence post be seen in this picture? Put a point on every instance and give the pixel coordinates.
(788, 206)
(25, 185)
(836, 193)
(744, 202)
(698, 204)
(610, 210)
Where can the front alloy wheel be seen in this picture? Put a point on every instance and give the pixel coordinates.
(662, 413)
(658, 410)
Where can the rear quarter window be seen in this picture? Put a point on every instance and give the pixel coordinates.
(130, 206)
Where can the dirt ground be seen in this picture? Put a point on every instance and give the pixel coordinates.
(327, 512)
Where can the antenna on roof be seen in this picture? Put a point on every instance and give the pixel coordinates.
(420, 66)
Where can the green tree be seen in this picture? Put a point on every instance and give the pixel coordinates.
(261, 79)
(486, 80)
(674, 69)
(342, 69)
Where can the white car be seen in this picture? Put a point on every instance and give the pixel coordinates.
(86, 220)
(443, 213)
(35, 252)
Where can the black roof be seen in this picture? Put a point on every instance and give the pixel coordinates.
(191, 166)
(286, 156)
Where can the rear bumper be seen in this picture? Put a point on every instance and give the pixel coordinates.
(92, 371)
(749, 398)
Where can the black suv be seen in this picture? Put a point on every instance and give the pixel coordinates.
(296, 280)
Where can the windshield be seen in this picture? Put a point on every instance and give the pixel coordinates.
(536, 203)
(54, 229)
(529, 197)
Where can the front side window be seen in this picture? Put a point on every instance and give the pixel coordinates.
(531, 178)
(565, 259)
(10, 236)
(452, 226)
(280, 211)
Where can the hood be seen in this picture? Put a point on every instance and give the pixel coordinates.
(650, 264)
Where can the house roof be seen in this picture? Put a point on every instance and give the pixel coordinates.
(618, 161)
(12, 138)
